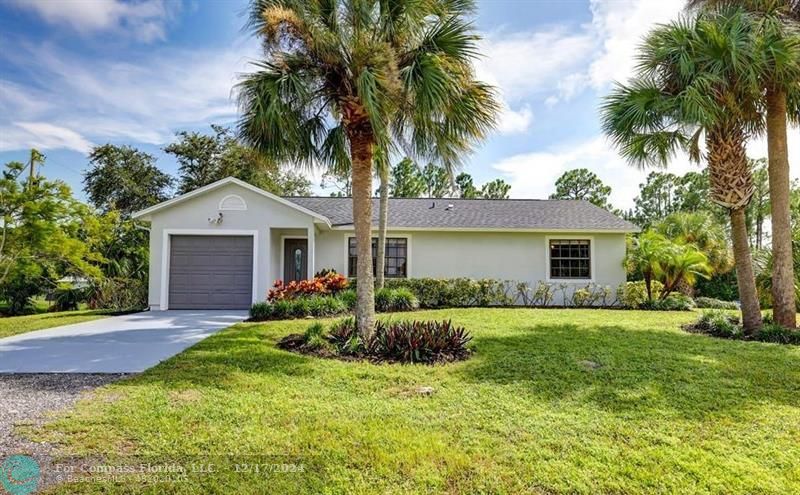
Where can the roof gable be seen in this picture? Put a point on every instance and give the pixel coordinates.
(147, 212)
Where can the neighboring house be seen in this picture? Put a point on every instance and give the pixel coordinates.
(222, 245)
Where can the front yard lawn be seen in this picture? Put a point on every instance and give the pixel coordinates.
(553, 401)
(15, 325)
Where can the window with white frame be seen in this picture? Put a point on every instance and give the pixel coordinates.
(395, 257)
(570, 259)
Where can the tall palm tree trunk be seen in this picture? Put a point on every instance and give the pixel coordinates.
(732, 187)
(751, 311)
(783, 293)
(361, 150)
(383, 220)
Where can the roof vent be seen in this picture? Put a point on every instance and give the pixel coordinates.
(432, 206)
(449, 207)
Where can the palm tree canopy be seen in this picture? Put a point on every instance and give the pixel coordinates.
(701, 230)
(775, 25)
(693, 75)
(398, 70)
(787, 8)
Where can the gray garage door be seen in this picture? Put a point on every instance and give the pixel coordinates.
(210, 272)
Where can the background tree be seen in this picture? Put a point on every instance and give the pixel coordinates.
(342, 79)
(206, 158)
(777, 67)
(465, 187)
(125, 179)
(496, 189)
(690, 86)
(582, 184)
(656, 199)
(438, 183)
(406, 180)
(40, 237)
(759, 208)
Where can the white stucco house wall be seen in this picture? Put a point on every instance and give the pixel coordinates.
(223, 245)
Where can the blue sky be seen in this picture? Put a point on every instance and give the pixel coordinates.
(76, 73)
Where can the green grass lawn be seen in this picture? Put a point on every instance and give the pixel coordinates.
(553, 401)
(15, 325)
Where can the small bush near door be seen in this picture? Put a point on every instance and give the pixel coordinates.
(386, 300)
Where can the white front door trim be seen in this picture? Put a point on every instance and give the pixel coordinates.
(166, 247)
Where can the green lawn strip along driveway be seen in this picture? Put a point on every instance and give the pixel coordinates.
(553, 401)
(15, 325)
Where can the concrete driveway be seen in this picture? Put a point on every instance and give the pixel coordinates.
(119, 344)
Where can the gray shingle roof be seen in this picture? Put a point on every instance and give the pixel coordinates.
(476, 213)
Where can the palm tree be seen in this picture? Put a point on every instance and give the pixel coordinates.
(382, 166)
(344, 78)
(694, 80)
(683, 263)
(703, 231)
(645, 255)
(778, 31)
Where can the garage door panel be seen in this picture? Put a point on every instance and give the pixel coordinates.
(211, 272)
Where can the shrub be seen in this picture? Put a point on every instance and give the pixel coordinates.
(329, 283)
(634, 294)
(282, 310)
(419, 341)
(711, 303)
(349, 298)
(719, 324)
(344, 337)
(261, 311)
(315, 336)
(402, 299)
(455, 292)
(384, 299)
(673, 302)
(119, 294)
(772, 332)
(405, 300)
(402, 341)
(67, 297)
(303, 307)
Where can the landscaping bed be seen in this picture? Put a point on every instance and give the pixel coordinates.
(404, 341)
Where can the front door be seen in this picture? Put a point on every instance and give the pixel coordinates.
(295, 259)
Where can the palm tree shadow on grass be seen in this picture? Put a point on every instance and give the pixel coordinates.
(638, 372)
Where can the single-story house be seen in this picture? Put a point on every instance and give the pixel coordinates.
(221, 246)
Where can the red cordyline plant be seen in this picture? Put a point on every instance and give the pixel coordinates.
(328, 284)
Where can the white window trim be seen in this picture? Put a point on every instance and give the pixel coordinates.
(166, 246)
(309, 269)
(243, 203)
(407, 237)
(592, 259)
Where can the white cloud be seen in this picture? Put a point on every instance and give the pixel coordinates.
(562, 61)
(41, 135)
(141, 99)
(619, 27)
(524, 63)
(514, 121)
(533, 175)
(144, 20)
